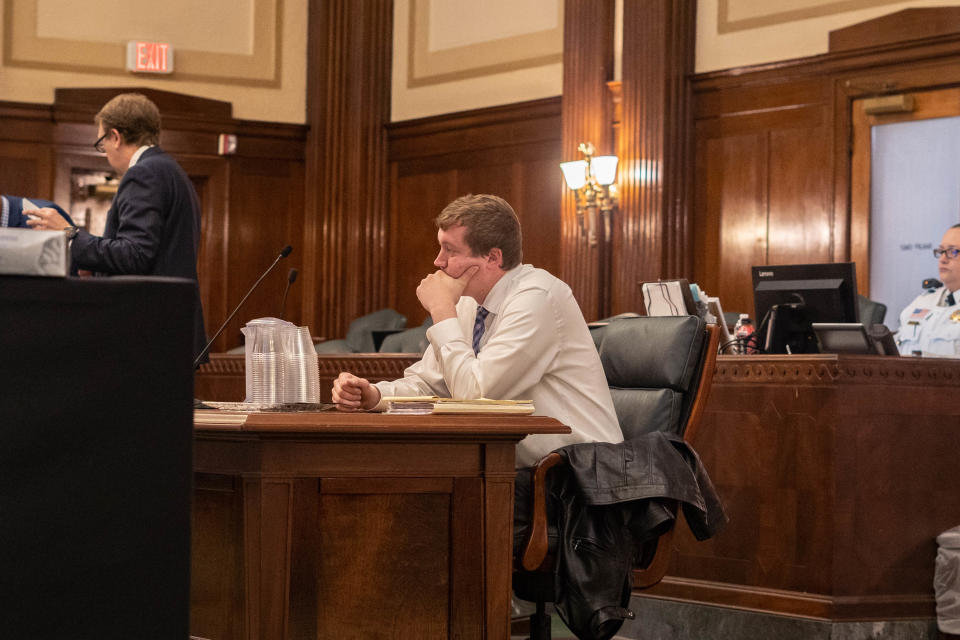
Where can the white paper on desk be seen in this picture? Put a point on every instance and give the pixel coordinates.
(27, 252)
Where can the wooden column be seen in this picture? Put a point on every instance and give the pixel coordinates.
(587, 66)
(348, 105)
(651, 232)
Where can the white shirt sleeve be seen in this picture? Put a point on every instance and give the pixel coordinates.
(422, 378)
(521, 343)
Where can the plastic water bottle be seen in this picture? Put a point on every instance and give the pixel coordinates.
(743, 331)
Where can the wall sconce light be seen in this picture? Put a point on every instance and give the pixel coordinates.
(591, 181)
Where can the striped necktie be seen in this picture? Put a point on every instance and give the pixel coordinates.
(478, 328)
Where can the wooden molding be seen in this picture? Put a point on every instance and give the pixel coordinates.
(832, 368)
(793, 603)
(902, 26)
(830, 64)
(489, 128)
(224, 377)
(87, 102)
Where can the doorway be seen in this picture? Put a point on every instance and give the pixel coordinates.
(905, 191)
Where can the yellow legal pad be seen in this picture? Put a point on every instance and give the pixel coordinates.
(432, 404)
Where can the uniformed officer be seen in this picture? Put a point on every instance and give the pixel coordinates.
(930, 325)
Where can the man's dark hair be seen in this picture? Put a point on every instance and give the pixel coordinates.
(134, 115)
(490, 222)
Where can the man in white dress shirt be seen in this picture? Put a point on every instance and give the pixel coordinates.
(501, 330)
(930, 325)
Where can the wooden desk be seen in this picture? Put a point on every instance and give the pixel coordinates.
(837, 473)
(333, 525)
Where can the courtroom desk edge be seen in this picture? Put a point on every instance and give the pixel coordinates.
(339, 424)
(831, 367)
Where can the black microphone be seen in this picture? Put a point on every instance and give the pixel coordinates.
(283, 254)
(291, 278)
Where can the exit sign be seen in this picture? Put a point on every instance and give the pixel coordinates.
(149, 57)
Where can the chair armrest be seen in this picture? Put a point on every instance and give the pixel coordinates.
(705, 383)
(646, 577)
(534, 551)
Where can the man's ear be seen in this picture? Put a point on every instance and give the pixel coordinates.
(496, 256)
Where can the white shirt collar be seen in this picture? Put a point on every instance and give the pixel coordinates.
(137, 154)
(498, 292)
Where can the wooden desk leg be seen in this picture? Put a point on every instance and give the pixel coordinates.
(498, 515)
(267, 527)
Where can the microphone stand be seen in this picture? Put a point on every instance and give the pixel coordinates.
(283, 254)
(291, 278)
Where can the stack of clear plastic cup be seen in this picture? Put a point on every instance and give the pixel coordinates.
(281, 363)
(302, 373)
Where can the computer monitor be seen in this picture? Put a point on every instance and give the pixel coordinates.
(788, 298)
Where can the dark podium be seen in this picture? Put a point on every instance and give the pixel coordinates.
(96, 388)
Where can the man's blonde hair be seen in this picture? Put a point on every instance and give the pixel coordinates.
(490, 222)
(134, 115)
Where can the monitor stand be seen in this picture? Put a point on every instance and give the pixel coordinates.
(789, 330)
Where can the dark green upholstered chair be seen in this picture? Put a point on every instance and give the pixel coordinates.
(659, 370)
(360, 334)
(871, 312)
(410, 341)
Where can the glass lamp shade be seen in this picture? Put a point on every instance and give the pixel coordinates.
(605, 169)
(575, 173)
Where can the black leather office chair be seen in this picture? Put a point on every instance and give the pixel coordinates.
(360, 334)
(660, 370)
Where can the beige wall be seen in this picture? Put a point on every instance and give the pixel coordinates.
(735, 33)
(455, 55)
(251, 53)
(730, 33)
(449, 55)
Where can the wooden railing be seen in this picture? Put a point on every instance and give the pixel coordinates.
(224, 377)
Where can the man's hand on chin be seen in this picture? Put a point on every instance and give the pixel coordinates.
(439, 292)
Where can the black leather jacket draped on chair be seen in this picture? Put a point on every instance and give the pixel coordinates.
(607, 501)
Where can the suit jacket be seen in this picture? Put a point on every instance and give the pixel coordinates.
(13, 206)
(152, 228)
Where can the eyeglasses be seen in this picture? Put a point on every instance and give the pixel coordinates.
(98, 145)
(951, 253)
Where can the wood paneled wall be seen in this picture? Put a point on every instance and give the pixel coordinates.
(773, 143)
(348, 105)
(251, 202)
(27, 157)
(511, 151)
(651, 232)
(587, 66)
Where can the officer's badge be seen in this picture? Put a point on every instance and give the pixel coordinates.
(955, 316)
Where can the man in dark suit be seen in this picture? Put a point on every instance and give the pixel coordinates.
(153, 226)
